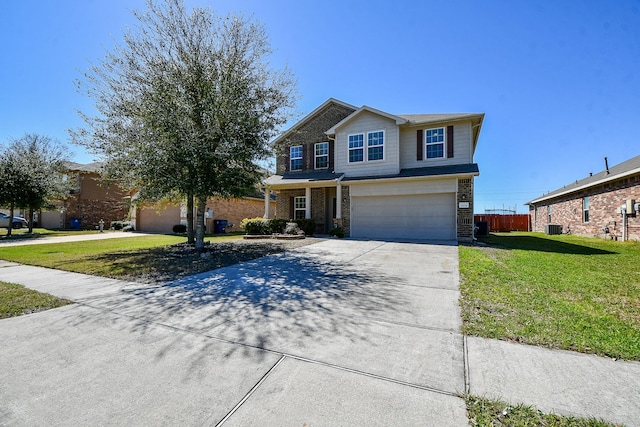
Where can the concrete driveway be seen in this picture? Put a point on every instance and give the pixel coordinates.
(342, 332)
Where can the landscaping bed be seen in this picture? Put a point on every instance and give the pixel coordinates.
(148, 259)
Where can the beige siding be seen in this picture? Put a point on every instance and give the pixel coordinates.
(412, 187)
(462, 153)
(363, 123)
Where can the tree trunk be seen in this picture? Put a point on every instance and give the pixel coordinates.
(190, 233)
(202, 204)
(30, 220)
(10, 226)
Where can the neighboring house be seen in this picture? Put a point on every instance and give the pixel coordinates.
(379, 175)
(89, 201)
(161, 219)
(592, 206)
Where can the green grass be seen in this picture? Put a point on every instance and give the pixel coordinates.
(145, 258)
(566, 292)
(486, 412)
(16, 300)
(23, 233)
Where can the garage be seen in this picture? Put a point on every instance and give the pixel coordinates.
(151, 220)
(414, 216)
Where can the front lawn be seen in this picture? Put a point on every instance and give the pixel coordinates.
(16, 300)
(148, 259)
(565, 292)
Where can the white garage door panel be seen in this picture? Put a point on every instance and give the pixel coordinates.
(409, 217)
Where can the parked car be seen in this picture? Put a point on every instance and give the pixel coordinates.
(17, 222)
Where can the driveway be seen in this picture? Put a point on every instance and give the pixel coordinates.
(341, 332)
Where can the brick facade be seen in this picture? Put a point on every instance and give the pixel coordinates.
(310, 133)
(604, 199)
(235, 210)
(465, 214)
(94, 201)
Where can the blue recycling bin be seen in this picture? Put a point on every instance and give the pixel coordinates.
(219, 226)
(74, 223)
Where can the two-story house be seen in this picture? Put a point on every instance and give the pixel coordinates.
(379, 175)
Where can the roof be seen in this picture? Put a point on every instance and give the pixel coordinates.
(420, 119)
(464, 169)
(79, 167)
(629, 167)
(321, 178)
(302, 177)
(310, 116)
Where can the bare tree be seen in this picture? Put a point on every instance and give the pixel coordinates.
(187, 105)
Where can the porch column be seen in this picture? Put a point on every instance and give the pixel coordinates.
(339, 201)
(307, 202)
(267, 201)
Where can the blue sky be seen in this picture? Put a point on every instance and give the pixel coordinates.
(559, 82)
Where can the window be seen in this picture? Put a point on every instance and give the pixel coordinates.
(295, 155)
(585, 209)
(375, 145)
(322, 155)
(434, 140)
(356, 148)
(299, 207)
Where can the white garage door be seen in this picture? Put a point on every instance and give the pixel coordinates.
(420, 216)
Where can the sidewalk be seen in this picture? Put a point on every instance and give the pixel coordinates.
(336, 333)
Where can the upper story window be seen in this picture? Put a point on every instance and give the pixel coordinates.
(434, 140)
(322, 155)
(356, 148)
(295, 156)
(585, 209)
(375, 145)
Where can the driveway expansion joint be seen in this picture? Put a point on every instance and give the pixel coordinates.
(250, 392)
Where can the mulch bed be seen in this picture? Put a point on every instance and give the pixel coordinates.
(161, 265)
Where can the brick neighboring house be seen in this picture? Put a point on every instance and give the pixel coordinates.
(161, 219)
(379, 175)
(590, 206)
(90, 201)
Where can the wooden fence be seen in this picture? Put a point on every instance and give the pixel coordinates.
(496, 222)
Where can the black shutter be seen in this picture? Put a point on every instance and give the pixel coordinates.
(449, 142)
(292, 214)
(419, 145)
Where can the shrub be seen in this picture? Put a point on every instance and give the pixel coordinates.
(277, 226)
(307, 225)
(256, 226)
(292, 228)
(337, 232)
(179, 228)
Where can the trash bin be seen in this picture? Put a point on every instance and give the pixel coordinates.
(74, 223)
(219, 226)
(482, 228)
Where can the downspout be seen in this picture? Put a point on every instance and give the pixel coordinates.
(624, 223)
(339, 198)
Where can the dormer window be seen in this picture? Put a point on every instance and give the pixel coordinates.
(295, 156)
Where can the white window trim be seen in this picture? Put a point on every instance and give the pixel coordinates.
(363, 148)
(296, 208)
(585, 212)
(384, 143)
(316, 156)
(444, 146)
(291, 158)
